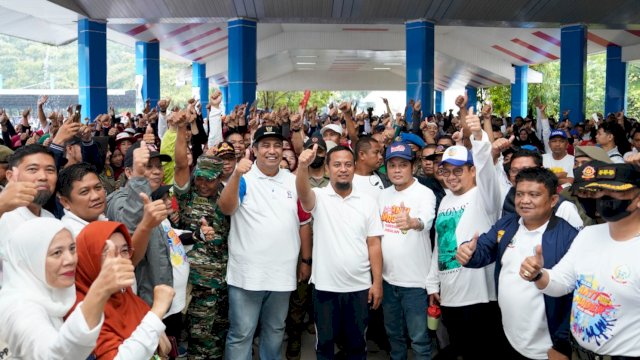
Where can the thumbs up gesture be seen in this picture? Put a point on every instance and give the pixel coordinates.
(532, 265)
(148, 136)
(17, 193)
(502, 144)
(155, 212)
(244, 165)
(206, 232)
(403, 220)
(466, 250)
(140, 159)
(116, 272)
(473, 122)
(306, 157)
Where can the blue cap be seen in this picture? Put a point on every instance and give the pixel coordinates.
(412, 139)
(556, 133)
(400, 150)
(529, 147)
(457, 156)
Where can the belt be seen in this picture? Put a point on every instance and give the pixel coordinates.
(584, 354)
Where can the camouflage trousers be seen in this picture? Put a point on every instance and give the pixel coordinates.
(300, 305)
(208, 322)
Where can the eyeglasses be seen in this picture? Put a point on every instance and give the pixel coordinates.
(125, 252)
(457, 172)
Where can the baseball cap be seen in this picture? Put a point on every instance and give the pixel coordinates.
(128, 158)
(224, 149)
(333, 127)
(437, 154)
(5, 153)
(558, 133)
(457, 156)
(529, 147)
(267, 131)
(593, 152)
(399, 150)
(124, 136)
(597, 175)
(316, 138)
(412, 139)
(208, 166)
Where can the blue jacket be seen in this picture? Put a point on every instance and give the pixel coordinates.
(556, 240)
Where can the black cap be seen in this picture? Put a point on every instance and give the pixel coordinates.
(128, 158)
(316, 138)
(598, 175)
(267, 131)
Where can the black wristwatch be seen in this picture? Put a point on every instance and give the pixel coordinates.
(537, 277)
(306, 261)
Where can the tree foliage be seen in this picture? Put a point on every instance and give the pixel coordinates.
(275, 99)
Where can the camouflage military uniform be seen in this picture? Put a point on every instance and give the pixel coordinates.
(209, 306)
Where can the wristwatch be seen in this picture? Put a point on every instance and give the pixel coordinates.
(306, 261)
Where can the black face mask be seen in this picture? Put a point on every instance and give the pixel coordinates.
(589, 206)
(612, 209)
(317, 162)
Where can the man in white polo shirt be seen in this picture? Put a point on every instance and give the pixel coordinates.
(407, 210)
(557, 159)
(346, 252)
(264, 244)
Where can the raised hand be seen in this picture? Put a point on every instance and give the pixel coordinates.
(532, 265)
(162, 298)
(17, 193)
(67, 131)
(466, 250)
(502, 144)
(113, 132)
(417, 106)
(42, 100)
(155, 212)
(149, 136)
(462, 100)
(307, 156)
(345, 107)
(206, 232)
(403, 220)
(141, 157)
(244, 165)
(487, 110)
(473, 122)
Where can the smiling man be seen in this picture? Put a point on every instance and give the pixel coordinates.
(82, 195)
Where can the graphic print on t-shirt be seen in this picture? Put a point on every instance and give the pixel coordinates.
(176, 250)
(388, 218)
(594, 312)
(446, 225)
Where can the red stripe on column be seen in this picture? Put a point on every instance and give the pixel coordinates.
(511, 53)
(211, 53)
(138, 29)
(534, 49)
(205, 45)
(599, 40)
(554, 40)
(193, 39)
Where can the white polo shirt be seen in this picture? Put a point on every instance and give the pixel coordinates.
(264, 240)
(340, 230)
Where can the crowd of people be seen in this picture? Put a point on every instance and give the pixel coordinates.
(169, 234)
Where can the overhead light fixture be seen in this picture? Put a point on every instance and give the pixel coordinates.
(382, 68)
(392, 64)
(306, 56)
(305, 63)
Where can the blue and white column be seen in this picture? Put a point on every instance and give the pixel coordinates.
(519, 92)
(420, 55)
(573, 61)
(147, 73)
(242, 62)
(92, 67)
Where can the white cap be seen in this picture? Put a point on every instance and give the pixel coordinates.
(333, 127)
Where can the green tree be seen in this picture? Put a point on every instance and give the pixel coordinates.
(274, 99)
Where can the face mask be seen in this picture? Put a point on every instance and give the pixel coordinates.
(612, 209)
(317, 162)
(589, 206)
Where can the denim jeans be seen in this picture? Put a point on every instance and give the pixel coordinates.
(246, 308)
(341, 314)
(402, 307)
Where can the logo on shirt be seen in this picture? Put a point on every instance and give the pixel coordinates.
(388, 218)
(500, 235)
(594, 312)
(289, 194)
(621, 274)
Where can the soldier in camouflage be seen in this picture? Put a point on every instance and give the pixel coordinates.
(199, 213)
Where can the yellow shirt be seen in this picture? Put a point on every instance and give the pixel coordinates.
(168, 147)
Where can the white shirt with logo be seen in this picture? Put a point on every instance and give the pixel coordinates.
(370, 185)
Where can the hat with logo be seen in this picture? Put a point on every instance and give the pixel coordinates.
(316, 138)
(128, 158)
(457, 156)
(225, 149)
(399, 150)
(437, 154)
(558, 133)
(208, 166)
(597, 175)
(267, 131)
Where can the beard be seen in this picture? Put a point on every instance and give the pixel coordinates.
(42, 197)
(343, 186)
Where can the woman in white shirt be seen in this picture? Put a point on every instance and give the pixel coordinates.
(38, 290)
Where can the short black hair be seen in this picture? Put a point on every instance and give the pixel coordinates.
(446, 136)
(71, 174)
(16, 158)
(231, 132)
(539, 175)
(336, 149)
(363, 144)
(537, 158)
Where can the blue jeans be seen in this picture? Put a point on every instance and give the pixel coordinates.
(246, 308)
(406, 307)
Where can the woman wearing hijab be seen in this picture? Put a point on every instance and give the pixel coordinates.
(131, 329)
(38, 290)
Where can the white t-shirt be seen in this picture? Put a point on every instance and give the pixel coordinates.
(406, 254)
(370, 185)
(264, 240)
(340, 230)
(10, 220)
(557, 166)
(604, 276)
(527, 331)
(180, 266)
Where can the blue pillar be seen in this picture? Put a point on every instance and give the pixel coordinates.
(225, 98)
(242, 62)
(615, 93)
(439, 101)
(472, 95)
(92, 67)
(420, 62)
(519, 92)
(148, 66)
(573, 61)
(200, 83)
